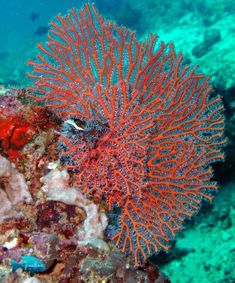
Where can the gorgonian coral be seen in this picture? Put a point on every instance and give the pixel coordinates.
(140, 129)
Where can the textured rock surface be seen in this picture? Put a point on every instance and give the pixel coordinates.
(14, 188)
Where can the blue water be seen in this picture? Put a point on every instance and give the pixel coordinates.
(24, 23)
(18, 33)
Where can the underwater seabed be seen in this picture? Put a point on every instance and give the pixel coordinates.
(204, 251)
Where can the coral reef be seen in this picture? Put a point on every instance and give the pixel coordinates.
(204, 251)
(44, 217)
(140, 128)
(64, 231)
(9, 105)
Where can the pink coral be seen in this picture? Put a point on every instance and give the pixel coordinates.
(142, 127)
(15, 189)
(56, 187)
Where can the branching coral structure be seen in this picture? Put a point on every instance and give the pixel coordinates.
(140, 129)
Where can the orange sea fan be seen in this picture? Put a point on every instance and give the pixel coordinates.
(140, 129)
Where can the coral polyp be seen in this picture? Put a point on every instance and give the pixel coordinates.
(140, 128)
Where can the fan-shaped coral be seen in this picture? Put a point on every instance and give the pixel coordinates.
(140, 129)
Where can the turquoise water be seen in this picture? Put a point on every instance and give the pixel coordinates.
(24, 23)
(204, 31)
(19, 25)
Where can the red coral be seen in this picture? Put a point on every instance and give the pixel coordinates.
(14, 134)
(146, 128)
(19, 124)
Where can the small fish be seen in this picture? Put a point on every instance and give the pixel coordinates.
(28, 264)
(34, 16)
(41, 30)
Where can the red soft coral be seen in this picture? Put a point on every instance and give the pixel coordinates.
(143, 131)
(19, 123)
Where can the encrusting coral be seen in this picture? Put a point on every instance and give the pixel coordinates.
(140, 129)
(15, 189)
(57, 188)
